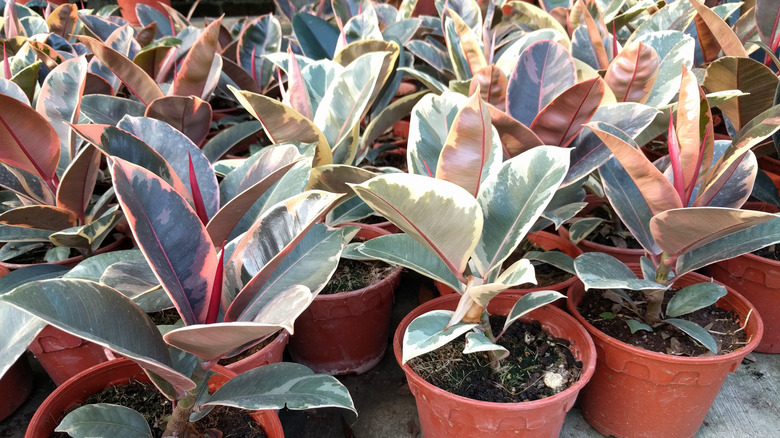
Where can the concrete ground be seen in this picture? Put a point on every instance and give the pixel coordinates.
(748, 405)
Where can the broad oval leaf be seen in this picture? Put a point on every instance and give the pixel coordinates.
(477, 342)
(673, 48)
(598, 270)
(529, 302)
(282, 385)
(171, 236)
(317, 37)
(17, 329)
(229, 138)
(103, 419)
(42, 217)
(722, 33)
(197, 73)
(78, 182)
(409, 201)
(694, 297)
(515, 137)
(188, 114)
(545, 69)
(427, 333)
(109, 110)
(563, 118)
(695, 331)
(260, 36)
(429, 126)
(632, 74)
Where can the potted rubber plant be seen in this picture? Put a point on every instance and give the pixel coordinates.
(685, 217)
(458, 228)
(217, 321)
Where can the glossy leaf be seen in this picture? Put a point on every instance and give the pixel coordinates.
(188, 114)
(492, 84)
(229, 138)
(767, 18)
(427, 333)
(563, 118)
(42, 217)
(99, 314)
(104, 419)
(532, 16)
(468, 42)
(507, 59)
(513, 198)
(428, 129)
(78, 182)
(136, 80)
(694, 297)
(545, 69)
(747, 75)
(477, 342)
(18, 330)
(109, 110)
(29, 142)
(733, 189)
(657, 191)
(530, 302)
(255, 253)
(598, 270)
(63, 20)
(199, 70)
(171, 236)
(673, 49)
(520, 272)
(673, 16)
(317, 37)
(90, 235)
(468, 148)
(282, 385)
(695, 331)
(694, 126)
(260, 36)
(719, 30)
(283, 124)
(632, 73)
(516, 138)
(394, 112)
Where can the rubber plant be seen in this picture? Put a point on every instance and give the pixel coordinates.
(460, 226)
(189, 266)
(686, 216)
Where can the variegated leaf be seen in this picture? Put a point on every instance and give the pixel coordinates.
(104, 419)
(529, 302)
(477, 342)
(633, 72)
(429, 126)
(196, 76)
(260, 36)
(429, 332)
(563, 118)
(598, 270)
(722, 33)
(673, 48)
(188, 114)
(78, 182)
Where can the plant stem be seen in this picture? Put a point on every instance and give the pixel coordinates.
(655, 298)
(495, 362)
(180, 417)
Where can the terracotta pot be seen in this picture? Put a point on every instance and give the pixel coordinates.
(549, 242)
(271, 353)
(640, 393)
(15, 386)
(63, 355)
(346, 332)
(443, 414)
(625, 255)
(127, 8)
(72, 261)
(772, 168)
(97, 379)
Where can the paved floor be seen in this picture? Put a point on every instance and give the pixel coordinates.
(748, 405)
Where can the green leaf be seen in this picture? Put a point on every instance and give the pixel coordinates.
(230, 137)
(673, 48)
(607, 315)
(529, 302)
(583, 227)
(694, 297)
(429, 126)
(259, 36)
(635, 326)
(93, 267)
(317, 37)
(426, 333)
(602, 271)
(17, 331)
(696, 332)
(555, 258)
(477, 342)
(90, 235)
(109, 110)
(281, 385)
(97, 313)
(673, 16)
(103, 419)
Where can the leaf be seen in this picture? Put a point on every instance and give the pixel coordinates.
(477, 342)
(427, 333)
(62, 21)
(467, 150)
(696, 332)
(673, 48)
(283, 124)
(598, 270)
(492, 84)
(136, 80)
(189, 115)
(281, 385)
(469, 44)
(229, 138)
(657, 191)
(635, 326)
(694, 297)
(529, 302)
(633, 72)
(673, 16)
(197, 75)
(78, 182)
(29, 141)
(558, 259)
(171, 236)
(18, 329)
(580, 229)
(683, 230)
(545, 69)
(746, 75)
(409, 202)
(767, 16)
(429, 126)
(719, 30)
(524, 13)
(513, 198)
(99, 314)
(515, 137)
(563, 118)
(90, 235)
(694, 126)
(42, 217)
(104, 419)
(394, 112)
(317, 37)
(260, 36)
(109, 110)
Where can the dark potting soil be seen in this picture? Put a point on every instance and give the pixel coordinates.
(609, 234)
(537, 367)
(605, 311)
(546, 274)
(771, 252)
(356, 274)
(165, 317)
(147, 400)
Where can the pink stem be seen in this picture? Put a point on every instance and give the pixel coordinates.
(216, 290)
(689, 192)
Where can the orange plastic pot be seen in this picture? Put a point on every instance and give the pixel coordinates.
(15, 386)
(625, 255)
(271, 353)
(346, 332)
(100, 377)
(127, 7)
(639, 393)
(549, 242)
(63, 355)
(443, 414)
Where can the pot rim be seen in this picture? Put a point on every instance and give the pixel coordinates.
(578, 290)
(588, 359)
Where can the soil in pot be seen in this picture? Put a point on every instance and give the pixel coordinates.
(546, 274)
(537, 367)
(356, 274)
(147, 400)
(605, 311)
